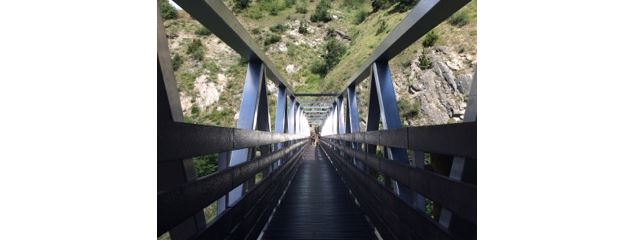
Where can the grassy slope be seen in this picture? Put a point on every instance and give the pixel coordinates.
(365, 39)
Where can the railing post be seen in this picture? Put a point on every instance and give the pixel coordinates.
(389, 114)
(353, 118)
(334, 119)
(169, 110)
(254, 82)
(291, 116)
(462, 170)
(281, 116)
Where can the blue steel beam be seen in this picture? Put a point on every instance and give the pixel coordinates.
(353, 118)
(281, 111)
(247, 116)
(341, 125)
(291, 116)
(389, 114)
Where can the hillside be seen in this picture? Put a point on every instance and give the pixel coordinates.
(317, 45)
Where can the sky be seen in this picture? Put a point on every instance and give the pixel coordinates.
(174, 4)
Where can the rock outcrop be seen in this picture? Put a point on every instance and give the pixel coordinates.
(440, 92)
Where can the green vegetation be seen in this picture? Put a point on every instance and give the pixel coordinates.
(430, 39)
(408, 109)
(322, 12)
(319, 67)
(202, 31)
(241, 4)
(381, 28)
(211, 67)
(379, 4)
(302, 29)
(271, 39)
(278, 28)
(464, 16)
(424, 62)
(360, 16)
(352, 4)
(194, 110)
(196, 49)
(167, 10)
(177, 61)
(459, 19)
(205, 165)
(301, 9)
(210, 212)
(333, 51)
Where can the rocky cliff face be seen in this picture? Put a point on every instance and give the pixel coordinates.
(439, 91)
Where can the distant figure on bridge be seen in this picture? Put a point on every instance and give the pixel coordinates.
(315, 137)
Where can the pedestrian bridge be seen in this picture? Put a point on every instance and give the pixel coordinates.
(387, 182)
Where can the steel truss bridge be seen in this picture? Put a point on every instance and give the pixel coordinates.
(340, 189)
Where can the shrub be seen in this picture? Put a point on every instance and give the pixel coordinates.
(408, 109)
(382, 27)
(278, 28)
(196, 49)
(271, 39)
(254, 13)
(405, 5)
(300, 9)
(334, 51)
(241, 4)
(167, 10)
(430, 39)
(205, 165)
(202, 31)
(424, 62)
(177, 61)
(302, 29)
(459, 19)
(352, 3)
(379, 4)
(360, 16)
(289, 3)
(212, 67)
(319, 67)
(273, 11)
(321, 12)
(194, 109)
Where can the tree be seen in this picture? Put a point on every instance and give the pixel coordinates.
(334, 51)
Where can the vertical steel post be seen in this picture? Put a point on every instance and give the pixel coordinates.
(262, 124)
(334, 119)
(281, 116)
(254, 81)
(389, 114)
(353, 118)
(291, 115)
